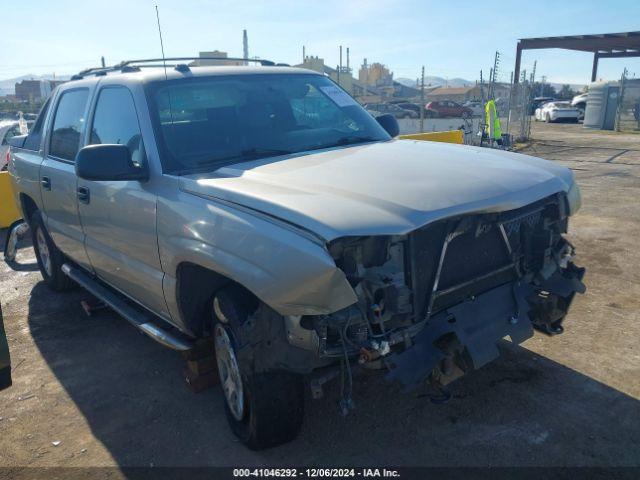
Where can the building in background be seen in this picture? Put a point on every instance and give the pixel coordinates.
(33, 90)
(463, 94)
(210, 63)
(381, 85)
(344, 79)
(375, 75)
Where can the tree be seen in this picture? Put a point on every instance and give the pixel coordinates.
(542, 90)
(566, 92)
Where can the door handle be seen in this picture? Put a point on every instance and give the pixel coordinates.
(46, 183)
(83, 194)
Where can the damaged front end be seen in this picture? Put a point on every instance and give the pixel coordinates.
(433, 304)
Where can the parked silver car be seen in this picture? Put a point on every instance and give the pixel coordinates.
(391, 109)
(263, 207)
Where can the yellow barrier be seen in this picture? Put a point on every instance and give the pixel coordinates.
(450, 136)
(9, 211)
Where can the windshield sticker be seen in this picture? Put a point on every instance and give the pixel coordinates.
(338, 96)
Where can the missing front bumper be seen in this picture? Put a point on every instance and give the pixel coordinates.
(465, 336)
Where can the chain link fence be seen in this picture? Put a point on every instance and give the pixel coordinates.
(628, 114)
(519, 116)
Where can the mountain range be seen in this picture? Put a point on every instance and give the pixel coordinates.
(461, 82)
(434, 81)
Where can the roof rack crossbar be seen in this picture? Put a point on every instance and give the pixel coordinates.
(162, 61)
(263, 62)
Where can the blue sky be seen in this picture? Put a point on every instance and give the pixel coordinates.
(451, 38)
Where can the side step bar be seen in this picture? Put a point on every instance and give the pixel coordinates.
(140, 319)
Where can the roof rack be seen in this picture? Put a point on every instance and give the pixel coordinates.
(135, 65)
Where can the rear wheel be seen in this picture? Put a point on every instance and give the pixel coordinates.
(264, 409)
(49, 258)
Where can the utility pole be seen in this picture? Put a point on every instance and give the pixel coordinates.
(509, 104)
(340, 65)
(494, 74)
(623, 81)
(304, 55)
(490, 83)
(366, 73)
(102, 62)
(422, 101)
(525, 106)
(533, 74)
(483, 117)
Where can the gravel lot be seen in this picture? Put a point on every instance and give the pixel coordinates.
(111, 396)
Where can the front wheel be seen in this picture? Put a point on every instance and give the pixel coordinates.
(49, 258)
(264, 409)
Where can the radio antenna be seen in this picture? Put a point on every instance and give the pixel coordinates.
(164, 62)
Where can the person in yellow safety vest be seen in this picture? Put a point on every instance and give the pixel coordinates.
(492, 122)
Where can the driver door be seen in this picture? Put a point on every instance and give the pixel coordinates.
(119, 217)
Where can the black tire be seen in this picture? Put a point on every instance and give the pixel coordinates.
(54, 278)
(275, 409)
(273, 401)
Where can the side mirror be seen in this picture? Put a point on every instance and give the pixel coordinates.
(108, 162)
(389, 123)
(17, 141)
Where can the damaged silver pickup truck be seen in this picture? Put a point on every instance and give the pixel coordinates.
(264, 208)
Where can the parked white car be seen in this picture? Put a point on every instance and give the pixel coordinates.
(555, 111)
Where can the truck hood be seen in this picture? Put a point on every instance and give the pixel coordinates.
(382, 188)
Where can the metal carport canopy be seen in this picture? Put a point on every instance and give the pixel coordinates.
(604, 45)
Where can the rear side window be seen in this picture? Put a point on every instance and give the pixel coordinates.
(68, 124)
(116, 121)
(34, 139)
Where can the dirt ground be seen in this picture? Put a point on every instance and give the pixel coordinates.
(112, 397)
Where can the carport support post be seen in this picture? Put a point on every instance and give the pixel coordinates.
(594, 69)
(516, 70)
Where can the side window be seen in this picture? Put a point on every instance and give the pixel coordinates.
(35, 135)
(115, 121)
(68, 124)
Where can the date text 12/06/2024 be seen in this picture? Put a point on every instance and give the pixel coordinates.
(316, 473)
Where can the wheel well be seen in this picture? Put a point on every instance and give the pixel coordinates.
(28, 206)
(196, 286)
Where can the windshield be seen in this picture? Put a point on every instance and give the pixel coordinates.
(206, 122)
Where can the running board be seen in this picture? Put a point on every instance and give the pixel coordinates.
(140, 319)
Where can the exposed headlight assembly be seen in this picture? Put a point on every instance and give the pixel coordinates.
(574, 199)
